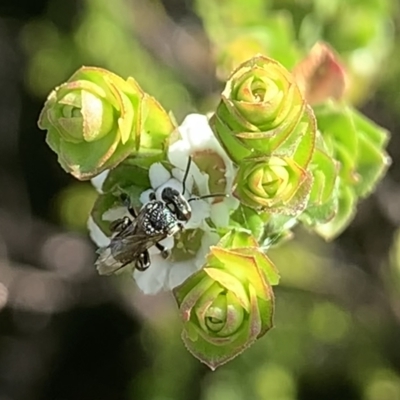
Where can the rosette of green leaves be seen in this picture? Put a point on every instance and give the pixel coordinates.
(358, 145)
(229, 303)
(280, 183)
(322, 203)
(97, 119)
(260, 108)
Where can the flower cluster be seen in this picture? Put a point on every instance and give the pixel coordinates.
(211, 171)
(270, 131)
(194, 208)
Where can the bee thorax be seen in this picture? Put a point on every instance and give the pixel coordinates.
(159, 219)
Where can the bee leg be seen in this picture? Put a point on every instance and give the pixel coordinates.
(120, 224)
(125, 199)
(143, 262)
(165, 253)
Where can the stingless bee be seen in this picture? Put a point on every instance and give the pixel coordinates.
(156, 220)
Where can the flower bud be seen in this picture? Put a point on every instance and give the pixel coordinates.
(321, 75)
(229, 303)
(96, 119)
(274, 184)
(260, 107)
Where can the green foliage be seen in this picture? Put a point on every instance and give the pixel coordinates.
(300, 154)
(357, 145)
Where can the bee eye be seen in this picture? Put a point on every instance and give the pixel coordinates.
(171, 206)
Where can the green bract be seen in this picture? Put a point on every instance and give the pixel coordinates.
(228, 304)
(358, 146)
(96, 119)
(260, 107)
(274, 184)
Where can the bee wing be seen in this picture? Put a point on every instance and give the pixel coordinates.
(106, 264)
(123, 251)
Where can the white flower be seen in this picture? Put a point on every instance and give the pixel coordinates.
(96, 234)
(196, 138)
(166, 275)
(98, 180)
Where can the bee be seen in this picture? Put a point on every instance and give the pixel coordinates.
(157, 219)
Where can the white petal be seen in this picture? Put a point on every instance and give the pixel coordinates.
(96, 234)
(158, 175)
(209, 239)
(232, 202)
(179, 272)
(165, 275)
(179, 174)
(178, 154)
(168, 243)
(200, 211)
(220, 214)
(200, 179)
(145, 196)
(98, 180)
(115, 213)
(152, 280)
(196, 130)
(194, 176)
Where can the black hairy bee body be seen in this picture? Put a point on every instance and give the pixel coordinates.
(131, 239)
(156, 220)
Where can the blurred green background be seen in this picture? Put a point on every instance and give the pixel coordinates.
(68, 334)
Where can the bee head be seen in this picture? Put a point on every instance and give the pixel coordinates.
(177, 204)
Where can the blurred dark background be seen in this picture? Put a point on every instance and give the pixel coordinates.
(66, 333)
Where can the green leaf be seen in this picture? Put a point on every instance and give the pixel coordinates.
(250, 219)
(183, 295)
(103, 203)
(126, 175)
(305, 149)
(242, 265)
(320, 214)
(86, 159)
(203, 303)
(230, 283)
(346, 211)
(372, 166)
(232, 145)
(272, 276)
(158, 124)
(369, 129)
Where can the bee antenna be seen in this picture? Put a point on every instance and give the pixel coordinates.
(186, 175)
(207, 196)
